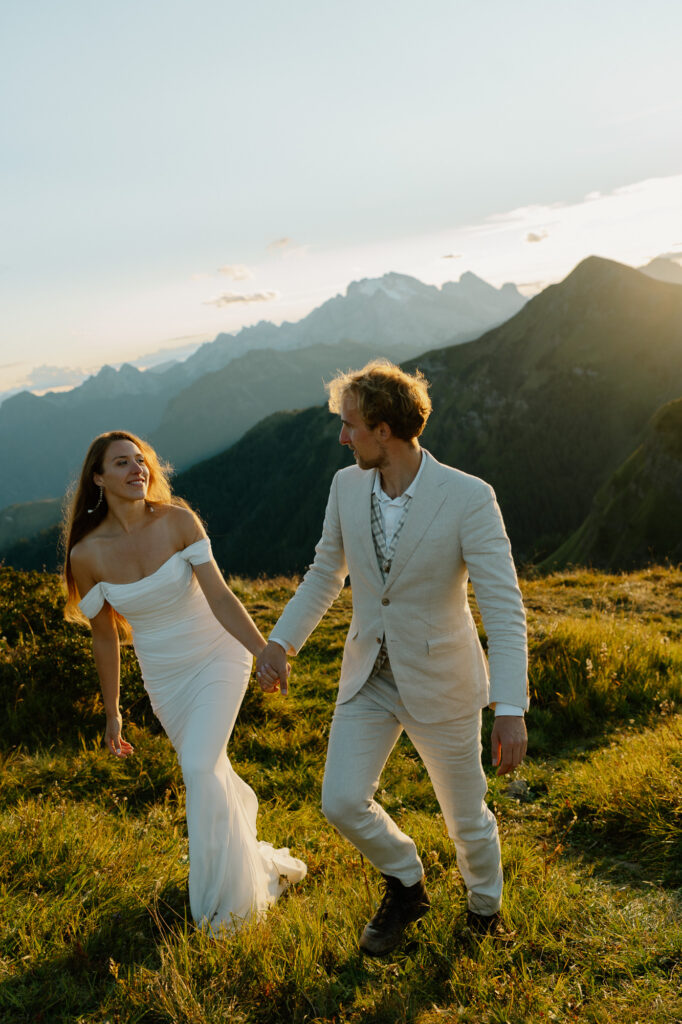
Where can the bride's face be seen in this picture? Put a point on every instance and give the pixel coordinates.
(124, 472)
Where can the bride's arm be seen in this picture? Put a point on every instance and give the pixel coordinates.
(107, 654)
(106, 651)
(227, 608)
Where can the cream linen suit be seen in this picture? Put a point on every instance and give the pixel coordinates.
(439, 680)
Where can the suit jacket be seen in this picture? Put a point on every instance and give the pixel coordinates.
(453, 531)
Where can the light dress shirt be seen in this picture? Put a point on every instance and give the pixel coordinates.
(392, 510)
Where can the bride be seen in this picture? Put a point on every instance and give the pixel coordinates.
(139, 562)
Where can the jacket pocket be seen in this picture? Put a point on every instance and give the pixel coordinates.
(452, 640)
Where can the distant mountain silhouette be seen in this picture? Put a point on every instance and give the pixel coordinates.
(214, 412)
(635, 517)
(545, 407)
(190, 415)
(43, 439)
(393, 310)
(664, 269)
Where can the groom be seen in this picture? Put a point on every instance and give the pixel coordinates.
(410, 532)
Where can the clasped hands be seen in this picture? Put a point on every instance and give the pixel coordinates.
(272, 669)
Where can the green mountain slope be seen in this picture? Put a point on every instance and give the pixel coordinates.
(26, 519)
(263, 500)
(635, 518)
(215, 411)
(43, 439)
(545, 407)
(40, 551)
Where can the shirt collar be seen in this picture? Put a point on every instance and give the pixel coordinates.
(407, 494)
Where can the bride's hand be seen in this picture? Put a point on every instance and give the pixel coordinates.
(113, 740)
(272, 669)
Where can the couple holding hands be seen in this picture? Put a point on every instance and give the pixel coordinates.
(409, 532)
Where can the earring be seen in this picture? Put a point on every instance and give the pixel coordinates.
(99, 501)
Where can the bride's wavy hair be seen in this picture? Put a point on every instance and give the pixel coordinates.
(79, 521)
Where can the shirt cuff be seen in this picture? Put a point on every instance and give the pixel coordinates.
(508, 709)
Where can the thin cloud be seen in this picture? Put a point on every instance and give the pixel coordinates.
(535, 236)
(236, 298)
(236, 271)
(280, 243)
(54, 376)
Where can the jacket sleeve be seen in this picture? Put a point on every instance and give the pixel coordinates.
(321, 584)
(487, 554)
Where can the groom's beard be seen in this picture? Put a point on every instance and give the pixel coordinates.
(376, 461)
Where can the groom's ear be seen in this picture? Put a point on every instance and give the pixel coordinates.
(383, 431)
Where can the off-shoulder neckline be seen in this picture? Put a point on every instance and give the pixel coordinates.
(142, 579)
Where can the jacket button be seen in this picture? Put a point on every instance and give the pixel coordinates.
(385, 601)
(378, 639)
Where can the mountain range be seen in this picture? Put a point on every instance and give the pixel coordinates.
(546, 407)
(198, 407)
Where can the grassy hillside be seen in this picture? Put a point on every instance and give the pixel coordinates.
(93, 852)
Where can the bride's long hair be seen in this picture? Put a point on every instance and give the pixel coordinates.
(80, 521)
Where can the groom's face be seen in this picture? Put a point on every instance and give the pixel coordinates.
(365, 443)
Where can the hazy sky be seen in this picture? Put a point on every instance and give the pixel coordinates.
(298, 146)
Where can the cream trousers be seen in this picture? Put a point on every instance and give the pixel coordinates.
(364, 730)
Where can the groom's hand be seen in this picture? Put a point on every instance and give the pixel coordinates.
(508, 741)
(272, 669)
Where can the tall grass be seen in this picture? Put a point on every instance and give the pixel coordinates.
(586, 673)
(94, 917)
(630, 794)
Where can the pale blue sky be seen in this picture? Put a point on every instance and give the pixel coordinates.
(146, 144)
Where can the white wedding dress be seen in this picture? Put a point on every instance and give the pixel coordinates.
(195, 674)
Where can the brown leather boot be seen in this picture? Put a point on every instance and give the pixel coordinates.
(400, 905)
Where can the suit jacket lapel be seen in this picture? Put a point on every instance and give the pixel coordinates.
(363, 520)
(426, 502)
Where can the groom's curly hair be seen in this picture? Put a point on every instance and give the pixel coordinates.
(385, 394)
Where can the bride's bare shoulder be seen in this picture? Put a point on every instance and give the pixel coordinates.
(84, 552)
(185, 523)
(84, 559)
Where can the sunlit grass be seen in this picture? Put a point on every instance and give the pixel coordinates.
(94, 916)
